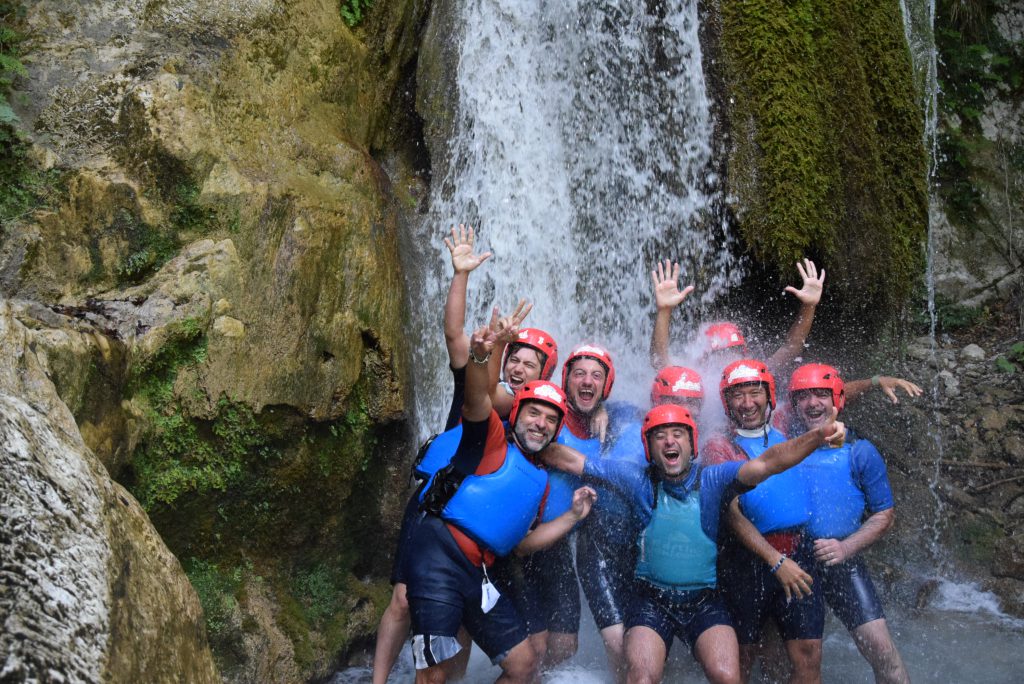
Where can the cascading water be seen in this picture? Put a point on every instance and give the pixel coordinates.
(581, 153)
(919, 28)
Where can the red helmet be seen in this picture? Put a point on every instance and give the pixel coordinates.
(743, 372)
(819, 376)
(543, 391)
(599, 354)
(676, 381)
(723, 336)
(542, 343)
(668, 414)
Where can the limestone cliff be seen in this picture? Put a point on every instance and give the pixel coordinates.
(214, 289)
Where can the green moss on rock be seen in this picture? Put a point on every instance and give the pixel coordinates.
(827, 158)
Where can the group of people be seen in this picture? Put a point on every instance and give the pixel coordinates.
(535, 490)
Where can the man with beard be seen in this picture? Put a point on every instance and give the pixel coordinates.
(479, 503)
(780, 510)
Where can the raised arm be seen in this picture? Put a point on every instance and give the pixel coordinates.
(786, 455)
(667, 297)
(809, 295)
(464, 261)
(507, 329)
(477, 405)
(888, 384)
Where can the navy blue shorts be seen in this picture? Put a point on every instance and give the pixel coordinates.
(682, 614)
(606, 564)
(753, 594)
(544, 588)
(408, 520)
(443, 588)
(850, 593)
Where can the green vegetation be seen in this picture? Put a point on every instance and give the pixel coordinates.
(828, 160)
(354, 11)
(1013, 360)
(975, 62)
(218, 593)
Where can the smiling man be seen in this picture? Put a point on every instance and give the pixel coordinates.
(847, 483)
(481, 502)
(678, 504)
(778, 512)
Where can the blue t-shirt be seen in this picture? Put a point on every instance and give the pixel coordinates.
(634, 481)
(844, 483)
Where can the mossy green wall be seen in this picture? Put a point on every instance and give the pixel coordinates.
(826, 156)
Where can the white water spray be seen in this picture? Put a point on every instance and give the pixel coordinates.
(582, 153)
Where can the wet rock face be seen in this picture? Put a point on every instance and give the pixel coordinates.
(90, 591)
(214, 292)
(954, 458)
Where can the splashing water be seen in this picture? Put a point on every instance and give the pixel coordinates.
(582, 154)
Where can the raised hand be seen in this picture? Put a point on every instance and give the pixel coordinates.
(889, 385)
(810, 292)
(507, 328)
(483, 339)
(666, 286)
(461, 248)
(834, 431)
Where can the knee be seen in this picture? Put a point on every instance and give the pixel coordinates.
(521, 665)
(431, 675)
(723, 673)
(806, 655)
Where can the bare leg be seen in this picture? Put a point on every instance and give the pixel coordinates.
(645, 654)
(719, 654)
(391, 634)
(457, 665)
(805, 655)
(875, 644)
(613, 637)
(561, 647)
(775, 667)
(520, 666)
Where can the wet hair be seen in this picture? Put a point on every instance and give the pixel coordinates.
(516, 346)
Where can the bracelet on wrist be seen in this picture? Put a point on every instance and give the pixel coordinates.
(778, 564)
(474, 359)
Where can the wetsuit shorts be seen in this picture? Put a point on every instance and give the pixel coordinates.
(753, 594)
(682, 614)
(444, 591)
(606, 560)
(412, 511)
(551, 590)
(850, 593)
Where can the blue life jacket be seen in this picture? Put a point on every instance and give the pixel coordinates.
(436, 453)
(564, 485)
(494, 510)
(837, 501)
(782, 501)
(674, 551)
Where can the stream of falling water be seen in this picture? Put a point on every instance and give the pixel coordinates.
(919, 28)
(582, 153)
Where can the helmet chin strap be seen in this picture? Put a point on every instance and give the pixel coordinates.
(761, 430)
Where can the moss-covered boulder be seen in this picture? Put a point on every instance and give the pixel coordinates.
(826, 154)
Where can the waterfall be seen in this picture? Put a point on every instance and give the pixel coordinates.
(919, 28)
(582, 153)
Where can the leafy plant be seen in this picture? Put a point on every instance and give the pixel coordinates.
(353, 11)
